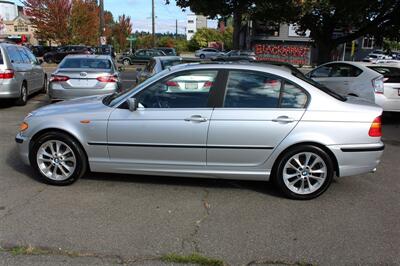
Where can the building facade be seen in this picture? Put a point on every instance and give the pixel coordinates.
(193, 23)
(16, 26)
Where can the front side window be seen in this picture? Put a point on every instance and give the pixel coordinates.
(252, 90)
(184, 90)
(321, 72)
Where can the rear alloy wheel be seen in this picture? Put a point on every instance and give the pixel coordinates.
(305, 172)
(23, 98)
(202, 56)
(58, 158)
(126, 62)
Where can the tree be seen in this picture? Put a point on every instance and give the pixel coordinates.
(214, 8)
(334, 22)
(109, 25)
(50, 18)
(84, 22)
(122, 29)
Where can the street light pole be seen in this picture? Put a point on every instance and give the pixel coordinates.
(153, 24)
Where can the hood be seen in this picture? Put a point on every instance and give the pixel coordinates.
(87, 105)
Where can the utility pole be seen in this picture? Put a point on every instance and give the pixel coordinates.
(102, 26)
(153, 23)
(176, 29)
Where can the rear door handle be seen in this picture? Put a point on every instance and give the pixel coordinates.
(196, 118)
(283, 119)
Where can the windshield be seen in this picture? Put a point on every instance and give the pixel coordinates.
(113, 99)
(95, 63)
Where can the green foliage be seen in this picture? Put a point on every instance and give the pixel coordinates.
(203, 36)
(144, 41)
(192, 259)
(389, 45)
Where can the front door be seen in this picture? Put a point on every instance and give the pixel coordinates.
(170, 126)
(259, 111)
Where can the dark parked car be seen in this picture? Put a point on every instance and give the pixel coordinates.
(40, 50)
(140, 56)
(236, 55)
(58, 55)
(105, 50)
(167, 50)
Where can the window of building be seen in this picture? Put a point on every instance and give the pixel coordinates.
(190, 31)
(21, 27)
(191, 21)
(368, 42)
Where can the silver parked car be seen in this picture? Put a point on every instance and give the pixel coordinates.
(235, 121)
(20, 73)
(84, 75)
(378, 83)
(208, 53)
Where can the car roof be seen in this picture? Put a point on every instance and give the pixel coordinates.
(95, 56)
(234, 65)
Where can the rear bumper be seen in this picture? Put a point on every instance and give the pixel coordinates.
(57, 92)
(357, 159)
(388, 105)
(10, 89)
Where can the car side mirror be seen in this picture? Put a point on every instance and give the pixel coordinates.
(133, 104)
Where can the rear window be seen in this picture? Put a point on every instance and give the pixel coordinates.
(169, 63)
(86, 63)
(391, 74)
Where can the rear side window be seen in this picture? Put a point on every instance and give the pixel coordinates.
(321, 72)
(246, 89)
(14, 55)
(345, 70)
(24, 56)
(391, 74)
(86, 63)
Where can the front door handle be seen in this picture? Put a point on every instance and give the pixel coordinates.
(283, 119)
(196, 118)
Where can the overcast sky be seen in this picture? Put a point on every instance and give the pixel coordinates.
(140, 12)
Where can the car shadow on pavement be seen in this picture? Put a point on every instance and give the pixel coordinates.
(258, 186)
(212, 183)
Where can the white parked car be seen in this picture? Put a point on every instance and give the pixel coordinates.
(379, 83)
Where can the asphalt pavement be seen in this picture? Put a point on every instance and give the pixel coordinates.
(107, 219)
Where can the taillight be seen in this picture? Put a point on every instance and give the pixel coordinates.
(107, 79)
(376, 128)
(378, 84)
(172, 84)
(7, 74)
(208, 84)
(57, 78)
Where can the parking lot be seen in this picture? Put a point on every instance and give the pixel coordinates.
(107, 219)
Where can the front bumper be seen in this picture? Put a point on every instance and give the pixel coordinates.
(357, 159)
(23, 147)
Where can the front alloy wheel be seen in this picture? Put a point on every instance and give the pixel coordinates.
(305, 172)
(58, 158)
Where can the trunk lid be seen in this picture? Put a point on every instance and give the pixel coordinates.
(83, 78)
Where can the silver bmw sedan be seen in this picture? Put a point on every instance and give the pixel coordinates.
(84, 75)
(234, 121)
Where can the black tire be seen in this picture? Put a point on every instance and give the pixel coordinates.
(278, 178)
(126, 62)
(202, 56)
(49, 61)
(45, 85)
(81, 159)
(23, 97)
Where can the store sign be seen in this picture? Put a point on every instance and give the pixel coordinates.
(293, 54)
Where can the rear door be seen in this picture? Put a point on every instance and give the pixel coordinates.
(37, 71)
(258, 112)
